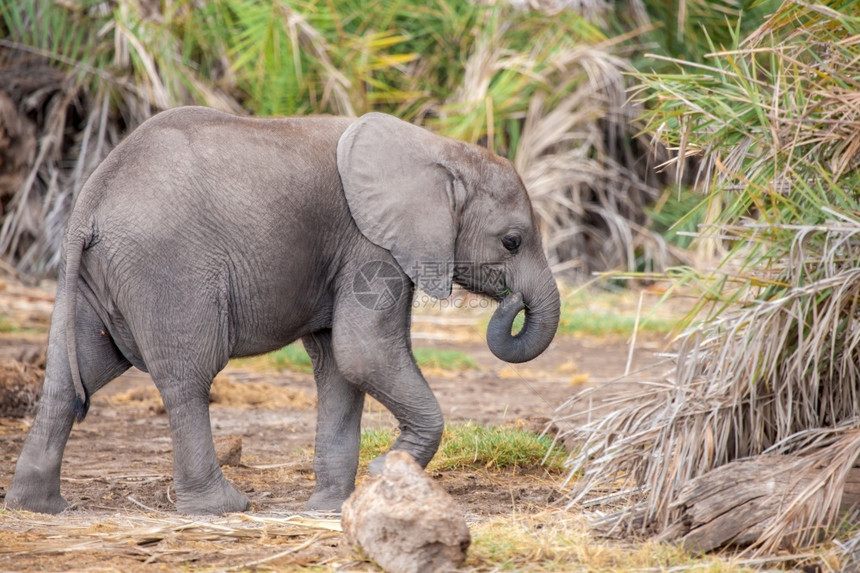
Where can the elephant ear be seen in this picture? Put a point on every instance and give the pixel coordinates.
(403, 196)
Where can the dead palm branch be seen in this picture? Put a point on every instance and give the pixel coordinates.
(68, 95)
(573, 142)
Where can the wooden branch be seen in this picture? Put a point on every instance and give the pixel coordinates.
(735, 503)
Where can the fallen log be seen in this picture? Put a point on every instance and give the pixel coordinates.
(736, 503)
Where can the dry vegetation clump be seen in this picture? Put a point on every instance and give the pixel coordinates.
(36, 101)
(143, 396)
(227, 392)
(774, 367)
(20, 388)
(73, 79)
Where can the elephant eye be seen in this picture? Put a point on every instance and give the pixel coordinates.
(511, 243)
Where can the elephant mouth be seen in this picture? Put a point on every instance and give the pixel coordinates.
(501, 294)
(496, 294)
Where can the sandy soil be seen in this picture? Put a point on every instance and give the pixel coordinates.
(117, 466)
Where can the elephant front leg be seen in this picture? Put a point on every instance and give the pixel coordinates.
(419, 418)
(372, 351)
(201, 487)
(338, 436)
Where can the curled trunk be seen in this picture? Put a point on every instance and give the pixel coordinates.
(541, 322)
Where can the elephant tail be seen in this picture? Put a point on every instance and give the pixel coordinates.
(75, 244)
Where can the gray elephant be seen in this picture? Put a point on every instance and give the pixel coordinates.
(204, 236)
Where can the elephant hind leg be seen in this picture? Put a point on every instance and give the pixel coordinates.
(183, 365)
(36, 483)
(201, 487)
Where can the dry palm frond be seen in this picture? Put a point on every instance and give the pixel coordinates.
(575, 150)
(763, 377)
(777, 361)
(84, 89)
(599, 166)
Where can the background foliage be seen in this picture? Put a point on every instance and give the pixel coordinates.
(547, 88)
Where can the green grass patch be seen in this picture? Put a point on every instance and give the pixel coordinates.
(609, 314)
(475, 446)
(6, 325)
(444, 359)
(374, 443)
(470, 445)
(291, 357)
(608, 323)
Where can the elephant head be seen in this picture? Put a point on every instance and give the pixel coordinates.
(450, 212)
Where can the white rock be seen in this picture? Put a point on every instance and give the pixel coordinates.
(404, 521)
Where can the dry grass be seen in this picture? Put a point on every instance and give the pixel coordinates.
(227, 392)
(559, 541)
(138, 541)
(141, 540)
(775, 366)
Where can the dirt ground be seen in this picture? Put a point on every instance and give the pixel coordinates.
(117, 466)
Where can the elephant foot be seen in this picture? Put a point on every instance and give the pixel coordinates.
(223, 498)
(34, 498)
(328, 500)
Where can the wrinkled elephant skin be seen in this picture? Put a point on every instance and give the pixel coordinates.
(205, 236)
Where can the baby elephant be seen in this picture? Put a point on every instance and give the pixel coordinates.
(205, 236)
